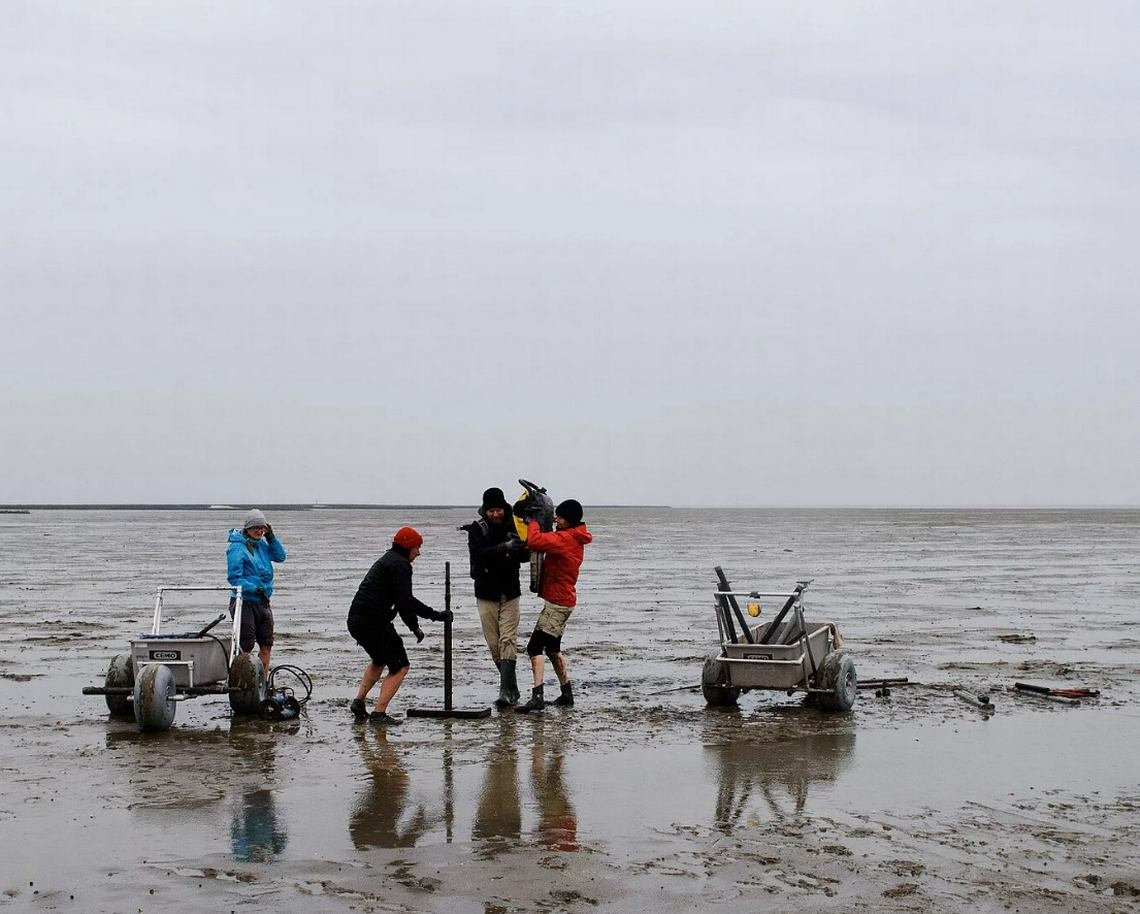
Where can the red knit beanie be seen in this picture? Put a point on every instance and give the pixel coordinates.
(408, 538)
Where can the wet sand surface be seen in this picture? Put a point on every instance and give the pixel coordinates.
(639, 797)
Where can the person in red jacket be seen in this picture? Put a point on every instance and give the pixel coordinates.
(565, 548)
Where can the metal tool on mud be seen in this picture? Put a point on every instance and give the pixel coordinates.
(1057, 693)
(981, 702)
(448, 710)
(788, 654)
(883, 687)
(161, 670)
(1069, 696)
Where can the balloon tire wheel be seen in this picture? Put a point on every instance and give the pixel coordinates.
(714, 684)
(120, 675)
(838, 681)
(247, 684)
(154, 691)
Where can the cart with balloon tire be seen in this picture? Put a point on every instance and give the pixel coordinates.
(160, 670)
(788, 653)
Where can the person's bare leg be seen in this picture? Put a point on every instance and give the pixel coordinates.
(566, 699)
(372, 674)
(558, 662)
(536, 702)
(264, 655)
(389, 687)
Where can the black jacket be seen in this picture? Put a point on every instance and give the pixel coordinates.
(494, 567)
(387, 590)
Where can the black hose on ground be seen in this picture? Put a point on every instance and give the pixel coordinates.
(304, 680)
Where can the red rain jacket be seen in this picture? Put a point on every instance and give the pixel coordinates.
(564, 550)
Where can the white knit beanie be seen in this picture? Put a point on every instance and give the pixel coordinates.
(254, 519)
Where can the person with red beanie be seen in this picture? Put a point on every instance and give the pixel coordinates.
(565, 549)
(386, 592)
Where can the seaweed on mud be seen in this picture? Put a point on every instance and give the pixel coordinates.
(572, 897)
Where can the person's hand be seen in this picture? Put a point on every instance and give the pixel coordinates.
(446, 616)
(419, 635)
(269, 530)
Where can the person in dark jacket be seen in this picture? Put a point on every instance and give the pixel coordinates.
(565, 548)
(496, 551)
(386, 592)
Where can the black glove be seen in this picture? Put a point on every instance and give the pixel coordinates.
(446, 616)
(419, 635)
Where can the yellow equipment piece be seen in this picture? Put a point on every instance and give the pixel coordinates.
(520, 524)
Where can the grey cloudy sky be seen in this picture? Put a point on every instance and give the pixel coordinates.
(646, 252)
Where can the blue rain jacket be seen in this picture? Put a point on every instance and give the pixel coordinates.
(249, 563)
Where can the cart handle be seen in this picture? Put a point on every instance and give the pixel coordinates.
(156, 625)
(203, 632)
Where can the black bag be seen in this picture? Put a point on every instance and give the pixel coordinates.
(482, 524)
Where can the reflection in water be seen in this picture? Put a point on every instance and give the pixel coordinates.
(761, 775)
(172, 770)
(498, 822)
(255, 834)
(498, 814)
(193, 771)
(375, 819)
(558, 822)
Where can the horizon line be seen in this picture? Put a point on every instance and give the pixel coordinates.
(357, 506)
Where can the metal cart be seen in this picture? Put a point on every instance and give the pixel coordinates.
(788, 654)
(161, 670)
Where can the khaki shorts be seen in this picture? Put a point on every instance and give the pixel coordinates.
(553, 618)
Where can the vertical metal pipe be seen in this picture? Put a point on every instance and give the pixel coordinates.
(447, 637)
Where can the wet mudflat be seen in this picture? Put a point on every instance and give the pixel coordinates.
(639, 796)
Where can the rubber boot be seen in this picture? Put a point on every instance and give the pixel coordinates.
(508, 690)
(535, 704)
(513, 682)
(566, 699)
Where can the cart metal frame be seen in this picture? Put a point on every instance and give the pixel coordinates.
(788, 653)
(161, 670)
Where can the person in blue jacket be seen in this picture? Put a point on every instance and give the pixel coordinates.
(249, 562)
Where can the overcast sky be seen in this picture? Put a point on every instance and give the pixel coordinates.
(752, 253)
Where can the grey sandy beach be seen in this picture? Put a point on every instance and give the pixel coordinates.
(640, 797)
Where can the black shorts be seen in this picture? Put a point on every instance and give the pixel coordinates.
(379, 639)
(541, 642)
(256, 624)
